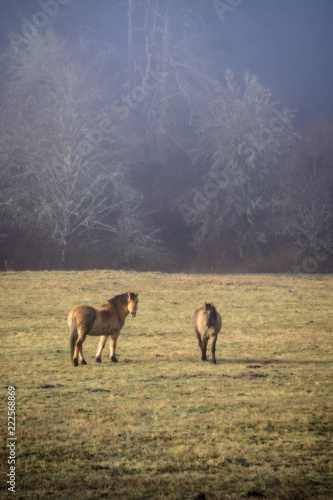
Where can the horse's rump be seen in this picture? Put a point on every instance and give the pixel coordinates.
(206, 320)
(207, 323)
(197, 315)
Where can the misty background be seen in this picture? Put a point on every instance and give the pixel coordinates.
(188, 135)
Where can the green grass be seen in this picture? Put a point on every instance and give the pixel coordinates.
(161, 423)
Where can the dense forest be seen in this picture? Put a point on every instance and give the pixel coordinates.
(138, 150)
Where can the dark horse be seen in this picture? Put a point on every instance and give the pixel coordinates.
(105, 321)
(207, 323)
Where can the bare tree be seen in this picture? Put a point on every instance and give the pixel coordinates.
(245, 140)
(173, 79)
(62, 181)
(306, 200)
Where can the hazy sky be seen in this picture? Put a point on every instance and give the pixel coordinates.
(287, 43)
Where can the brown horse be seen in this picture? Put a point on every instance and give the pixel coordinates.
(105, 321)
(207, 323)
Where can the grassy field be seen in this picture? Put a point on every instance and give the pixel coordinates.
(161, 423)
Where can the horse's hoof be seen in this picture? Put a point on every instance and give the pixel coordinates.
(114, 360)
(214, 361)
(98, 360)
(75, 362)
(84, 362)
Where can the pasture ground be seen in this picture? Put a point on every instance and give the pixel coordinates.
(161, 423)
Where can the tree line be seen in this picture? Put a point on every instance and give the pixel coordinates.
(155, 161)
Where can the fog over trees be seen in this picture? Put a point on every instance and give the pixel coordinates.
(127, 142)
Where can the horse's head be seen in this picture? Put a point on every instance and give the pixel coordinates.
(210, 313)
(132, 303)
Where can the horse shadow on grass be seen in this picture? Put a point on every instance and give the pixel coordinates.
(273, 361)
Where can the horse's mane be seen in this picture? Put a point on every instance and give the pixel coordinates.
(211, 307)
(118, 298)
(122, 297)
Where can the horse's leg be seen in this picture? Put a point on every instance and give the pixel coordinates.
(201, 344)
(214, 339)
(199, 339)
(204, 342)
(113, 345)
(81, 357)
(76, 354)
(78, 349)
(101, 345)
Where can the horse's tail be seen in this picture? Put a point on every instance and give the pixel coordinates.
(73, 333)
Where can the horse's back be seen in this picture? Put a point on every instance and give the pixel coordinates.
(101, 320)
(107, 318)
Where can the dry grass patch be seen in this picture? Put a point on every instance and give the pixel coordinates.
(161, 423)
